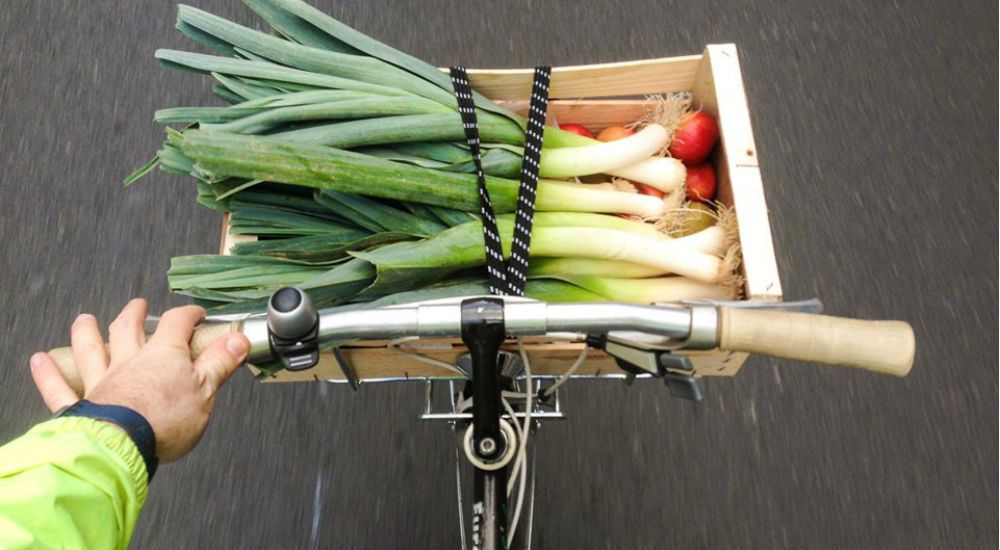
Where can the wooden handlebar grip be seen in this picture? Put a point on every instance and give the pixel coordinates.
(203, 337)
(886, 347)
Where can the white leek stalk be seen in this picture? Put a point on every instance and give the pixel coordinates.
(602, 157)
(648, 291)
(554, 195)
(664, 173)
(608, 244)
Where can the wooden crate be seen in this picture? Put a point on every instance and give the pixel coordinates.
(716, 84)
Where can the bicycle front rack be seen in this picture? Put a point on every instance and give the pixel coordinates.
(549, 408)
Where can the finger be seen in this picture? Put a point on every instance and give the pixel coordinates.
(89, 354)
(50, 383)
(177, 325)
(222, 358)
(126, 334)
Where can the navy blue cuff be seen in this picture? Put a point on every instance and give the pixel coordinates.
(134, 424)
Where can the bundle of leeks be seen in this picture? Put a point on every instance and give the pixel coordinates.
(346, 160)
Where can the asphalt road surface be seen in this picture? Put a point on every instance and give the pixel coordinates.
(877, 136)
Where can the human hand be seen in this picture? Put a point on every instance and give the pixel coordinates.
(155, 378)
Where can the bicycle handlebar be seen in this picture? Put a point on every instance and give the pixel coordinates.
(885, 347)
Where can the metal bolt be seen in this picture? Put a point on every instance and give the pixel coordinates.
(487, 446)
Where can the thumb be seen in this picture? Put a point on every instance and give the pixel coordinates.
(222, 358)
(55, 391)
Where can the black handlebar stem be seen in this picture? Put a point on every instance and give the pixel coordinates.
(483, 332)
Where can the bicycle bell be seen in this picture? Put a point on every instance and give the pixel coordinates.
(293, 328)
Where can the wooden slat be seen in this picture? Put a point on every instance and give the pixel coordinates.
(224, 243)
(546, 359)
(630, 78)
(229, 238)
(759, 263)
(718, 89)
(703, 88)
(595, 114)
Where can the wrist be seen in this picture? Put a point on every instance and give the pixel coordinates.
(128, 420)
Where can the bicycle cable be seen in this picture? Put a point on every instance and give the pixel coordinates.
(520, 435)
(524, 441)
(395, 346)
(566, 375)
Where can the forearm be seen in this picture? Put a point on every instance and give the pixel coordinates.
(76, 482)
(70, 483)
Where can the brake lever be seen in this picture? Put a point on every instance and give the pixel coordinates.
(677, 371)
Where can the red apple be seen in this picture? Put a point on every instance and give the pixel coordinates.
(700, 182)
(694, 138)
(613, 133)
(576, 129)
(644, 189)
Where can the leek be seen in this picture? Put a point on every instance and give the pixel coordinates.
(333, 56)
(542, 267)
(650, 290)
(219, 156)
(354, 109)
(231, 36)
(462, 247)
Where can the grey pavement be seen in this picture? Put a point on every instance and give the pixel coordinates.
(877, 135)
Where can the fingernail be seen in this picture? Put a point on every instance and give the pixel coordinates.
(237, 345)
(36, 360)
